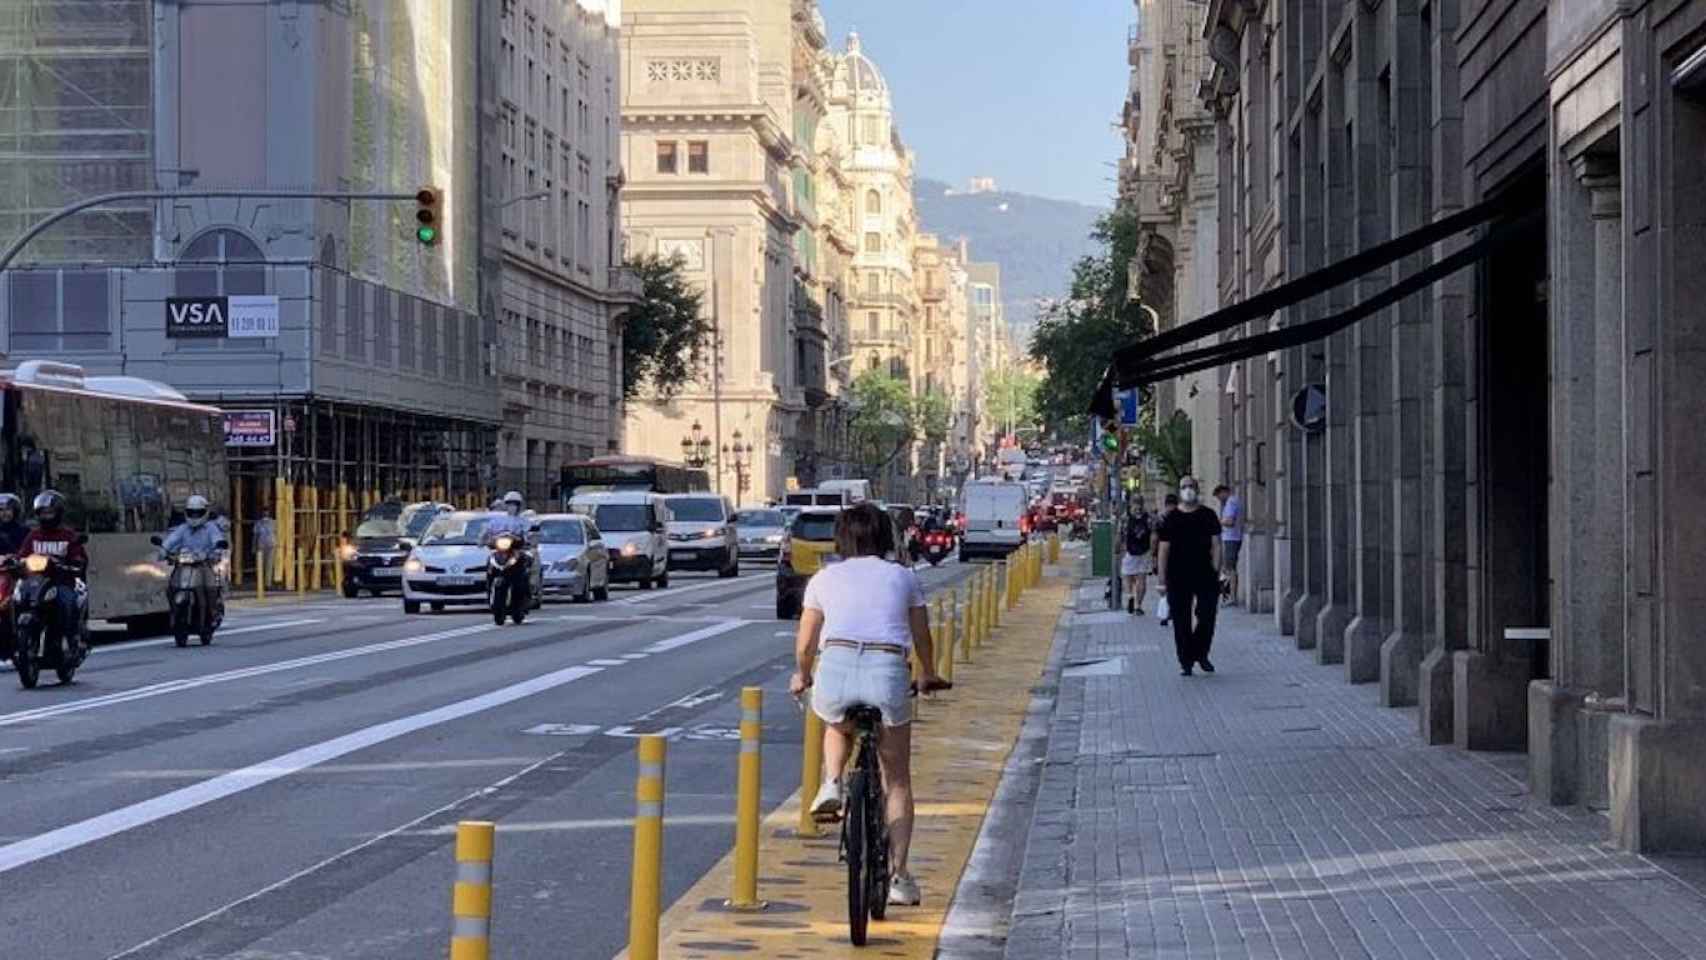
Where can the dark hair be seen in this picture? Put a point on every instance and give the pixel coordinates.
(1172, 500)
(1221, 487)
(863, 530)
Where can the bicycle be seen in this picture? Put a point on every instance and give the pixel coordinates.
(864, 824)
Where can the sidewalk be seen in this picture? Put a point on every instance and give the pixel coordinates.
(1273, 810)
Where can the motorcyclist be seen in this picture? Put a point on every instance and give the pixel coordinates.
(509, 518)
(198, 536)
(54, 538)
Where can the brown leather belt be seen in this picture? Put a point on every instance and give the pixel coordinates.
(893, 648)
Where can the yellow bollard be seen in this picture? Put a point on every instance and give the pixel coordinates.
(811, 768)
(944, 642)
(646, 892)
(1054, 549)
(747, 800)
(337, 565)
(471, 898)
(301, 573)
(260, 573)
(968, 618)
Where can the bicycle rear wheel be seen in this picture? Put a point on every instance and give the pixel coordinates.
(855, 823)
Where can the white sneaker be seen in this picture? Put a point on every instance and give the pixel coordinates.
(827, 806)
(903, 891)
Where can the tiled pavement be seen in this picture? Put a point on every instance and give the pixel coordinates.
(1272, 810)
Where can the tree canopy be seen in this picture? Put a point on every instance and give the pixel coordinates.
(664, 338)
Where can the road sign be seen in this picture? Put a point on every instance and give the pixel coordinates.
(250, 428)
(1127, 402)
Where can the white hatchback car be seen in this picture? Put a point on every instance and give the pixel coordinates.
(448, 566)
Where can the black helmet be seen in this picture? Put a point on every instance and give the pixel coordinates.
(49, 508)
(10, 501)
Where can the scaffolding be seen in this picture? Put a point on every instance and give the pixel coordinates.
(334, 460)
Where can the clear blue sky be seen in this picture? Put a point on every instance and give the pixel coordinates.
(1024, 91)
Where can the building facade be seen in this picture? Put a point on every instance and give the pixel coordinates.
(364, 326)
(1484, 518)
(710, 153)
(560, 287)
(989, 347)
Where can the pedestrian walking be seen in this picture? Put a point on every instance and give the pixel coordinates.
(1231, 540)
(1138, 562)
(266, 539)
(1188, 553)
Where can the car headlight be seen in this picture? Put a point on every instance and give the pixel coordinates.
(630, 549)
(505, 543)
(710, 534)
(186, 557)
(412, 565)
(566, 566)
(776, 538)
(36, 563)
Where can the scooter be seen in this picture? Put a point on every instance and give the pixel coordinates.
(40, 639)
(192, 588)
(937, 545)
(507, 580)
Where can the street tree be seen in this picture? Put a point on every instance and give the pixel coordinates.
(881, 422)
(664, 339)
(1010, 397)
(1076, 337)
(1167, 445)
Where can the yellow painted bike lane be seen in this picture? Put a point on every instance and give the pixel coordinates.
(960, 746)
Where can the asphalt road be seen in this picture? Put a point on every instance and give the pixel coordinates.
(292, 790)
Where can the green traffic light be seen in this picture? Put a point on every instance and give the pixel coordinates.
(426, 235)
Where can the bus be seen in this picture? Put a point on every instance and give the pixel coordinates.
(605, 474)
(125, 453)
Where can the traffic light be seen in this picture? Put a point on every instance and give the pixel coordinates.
(1110, 437)
(428, 214)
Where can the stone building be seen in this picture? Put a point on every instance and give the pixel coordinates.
(940, 348)
(560, 288)
(1490, 517)
(710, 153)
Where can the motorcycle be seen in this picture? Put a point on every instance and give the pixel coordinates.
(40, 639)
(507, 580)
(192, 588)
(937, 545)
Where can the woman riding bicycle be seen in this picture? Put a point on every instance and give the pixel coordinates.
(862, 619)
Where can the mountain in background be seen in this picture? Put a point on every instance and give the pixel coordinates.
(1036, 240)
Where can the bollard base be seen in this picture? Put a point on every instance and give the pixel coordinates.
(756, 906)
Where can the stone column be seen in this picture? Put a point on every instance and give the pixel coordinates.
(1399, 652)
(1342, 224)
(1305, 471)
(1567, 745)
(1448, 335)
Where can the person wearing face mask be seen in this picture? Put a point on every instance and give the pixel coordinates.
(1189, 564)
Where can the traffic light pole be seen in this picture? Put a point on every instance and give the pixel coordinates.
(17, 246)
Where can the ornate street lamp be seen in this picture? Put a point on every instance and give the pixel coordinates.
(740, 456)
(696, 447)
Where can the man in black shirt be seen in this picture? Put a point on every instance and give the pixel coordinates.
(1189, 561)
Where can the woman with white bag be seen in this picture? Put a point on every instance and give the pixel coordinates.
(1138, 562)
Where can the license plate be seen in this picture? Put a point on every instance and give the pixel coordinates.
(387, 571)
(458, 581)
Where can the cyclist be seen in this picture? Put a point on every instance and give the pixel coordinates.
(862, 619)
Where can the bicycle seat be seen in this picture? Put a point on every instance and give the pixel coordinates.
(864, 715)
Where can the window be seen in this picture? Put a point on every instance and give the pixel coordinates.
(583, 166)
(873, 284)
(873, 202)
(666, 158)
(584, 234)
(870, 127)
(406, 332)
(60, 310)
(873, 242)
(874, 323)
(698, 157)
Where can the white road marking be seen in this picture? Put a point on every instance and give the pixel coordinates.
(716, 629)
(608, 663)
(634, 656)
(223, 632)
(666, 593)
(563, 729)
(243, 673)
(608, 823)
(84, 832)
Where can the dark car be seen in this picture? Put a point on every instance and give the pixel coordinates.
(373, 557)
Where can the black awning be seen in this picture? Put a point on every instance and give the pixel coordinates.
(1142, 363)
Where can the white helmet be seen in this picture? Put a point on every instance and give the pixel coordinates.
(513, 503)
(195, 510)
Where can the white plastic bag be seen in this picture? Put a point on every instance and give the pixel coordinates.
(1161, 609)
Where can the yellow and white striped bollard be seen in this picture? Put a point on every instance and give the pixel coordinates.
(471, 898)
(750, 778)
(646, 892)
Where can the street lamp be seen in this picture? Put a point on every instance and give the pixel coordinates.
(696, 447)
(740, 456)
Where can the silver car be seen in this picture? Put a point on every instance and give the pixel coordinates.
(448, 566)
(760, 533)
(573, 557)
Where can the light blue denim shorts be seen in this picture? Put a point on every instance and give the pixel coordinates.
(846, 677)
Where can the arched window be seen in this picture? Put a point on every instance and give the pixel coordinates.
(235, 265)
(873, 202)
(222, 246)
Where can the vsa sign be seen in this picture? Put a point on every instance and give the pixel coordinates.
(221, 317)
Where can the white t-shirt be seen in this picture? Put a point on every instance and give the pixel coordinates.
(865, 599)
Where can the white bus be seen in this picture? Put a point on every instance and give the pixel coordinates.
(126, 453)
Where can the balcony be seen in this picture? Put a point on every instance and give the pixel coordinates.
(625, 285)
(890, 338)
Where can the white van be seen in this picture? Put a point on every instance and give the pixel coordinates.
(817, 497)
(633, 524)
(858, 491)
(994, 512)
